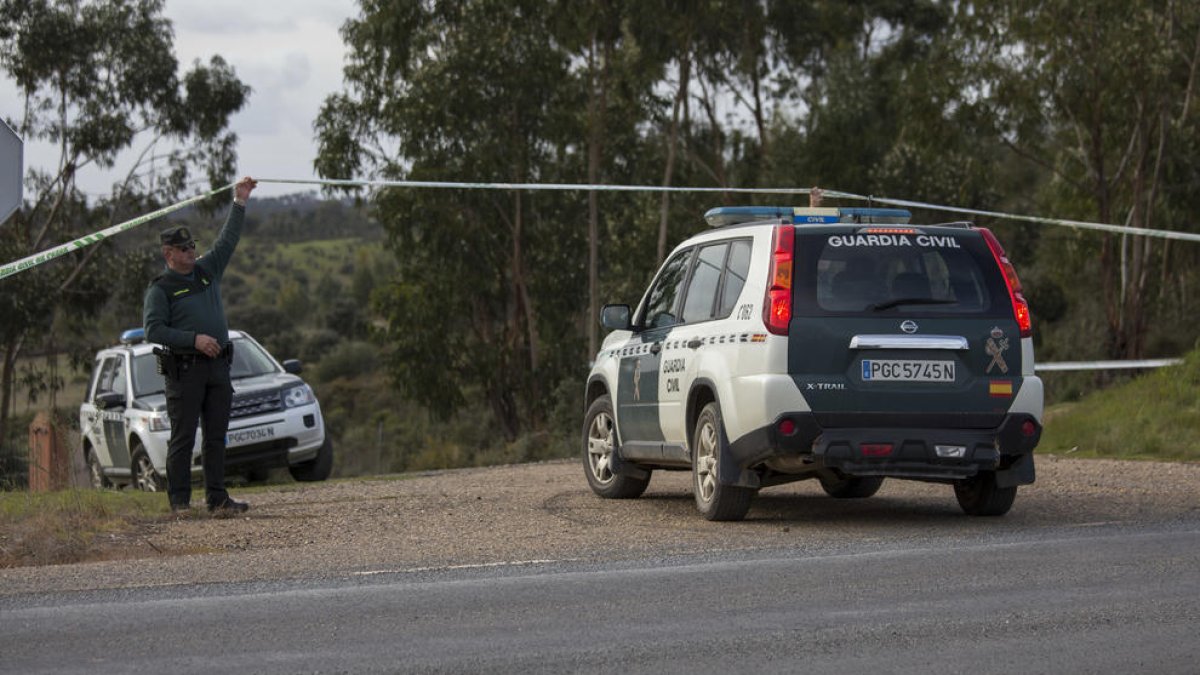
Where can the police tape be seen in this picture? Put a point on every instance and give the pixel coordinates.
(36, 259)
(829, 194)
(1077, 224)
(568, 187)
(1106, 365)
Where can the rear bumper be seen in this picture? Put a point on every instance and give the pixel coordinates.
(944, 452)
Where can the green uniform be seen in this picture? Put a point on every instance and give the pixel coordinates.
(177, 307)
(195, 306)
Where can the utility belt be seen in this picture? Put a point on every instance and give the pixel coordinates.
(173, 364)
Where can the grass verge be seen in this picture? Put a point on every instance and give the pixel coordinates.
(1153, 417)
(63, 527)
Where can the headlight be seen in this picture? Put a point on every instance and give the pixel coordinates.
(298, 395)
(159, 422)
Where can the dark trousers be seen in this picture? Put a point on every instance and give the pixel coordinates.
(202, 393)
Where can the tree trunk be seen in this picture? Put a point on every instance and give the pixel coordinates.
(685, 66)
(11, 351)
(597, 103)
(525, 311)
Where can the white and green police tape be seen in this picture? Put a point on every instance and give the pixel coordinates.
(14, 267)
(36, 259)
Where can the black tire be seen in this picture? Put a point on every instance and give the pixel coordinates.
(144, 476)
(714, 500)
(95, 471)
(847, 487)
(980, 496)
(318, 468)
(601, 443)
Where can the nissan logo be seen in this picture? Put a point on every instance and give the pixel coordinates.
(909, 326)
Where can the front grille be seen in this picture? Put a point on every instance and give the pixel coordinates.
(255, 403)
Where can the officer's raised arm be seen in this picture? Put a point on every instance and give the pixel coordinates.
(231, 232)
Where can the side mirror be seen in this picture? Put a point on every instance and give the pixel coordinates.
(615, 317)
(109, 400)
(292, 366)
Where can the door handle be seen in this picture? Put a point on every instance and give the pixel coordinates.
(695, 343)
(656, 348)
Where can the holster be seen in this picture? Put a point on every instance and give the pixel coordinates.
(168, 365)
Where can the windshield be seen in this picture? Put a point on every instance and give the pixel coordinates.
(249, 360)
(146, 380)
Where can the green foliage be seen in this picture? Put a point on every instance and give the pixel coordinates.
(348, 360)
(98, 79)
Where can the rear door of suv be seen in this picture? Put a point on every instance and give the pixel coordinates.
(902, 327)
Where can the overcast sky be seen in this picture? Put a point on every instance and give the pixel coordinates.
(290, 53)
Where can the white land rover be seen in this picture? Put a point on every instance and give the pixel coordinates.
(843, 345)
(275, 419)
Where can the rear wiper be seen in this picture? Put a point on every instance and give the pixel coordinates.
(909, 301)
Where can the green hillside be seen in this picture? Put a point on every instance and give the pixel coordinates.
(1155, 416)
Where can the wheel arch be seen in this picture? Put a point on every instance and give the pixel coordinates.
(596, 387)
(702, 393)
(135, 440)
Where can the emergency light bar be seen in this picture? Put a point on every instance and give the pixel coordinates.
(798, 215)
(133, 336)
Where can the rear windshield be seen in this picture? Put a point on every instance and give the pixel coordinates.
(865, 274)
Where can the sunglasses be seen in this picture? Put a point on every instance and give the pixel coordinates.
(187, 247)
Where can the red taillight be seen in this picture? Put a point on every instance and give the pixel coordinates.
(787, 427)
(876, 449)
(1028, 428)
(1020, 307)
(777, 305)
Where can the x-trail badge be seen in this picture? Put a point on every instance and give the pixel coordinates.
(909, 326)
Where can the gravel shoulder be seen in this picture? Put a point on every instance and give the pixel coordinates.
(520, 513)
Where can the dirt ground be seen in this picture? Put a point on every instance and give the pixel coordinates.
(521, 513)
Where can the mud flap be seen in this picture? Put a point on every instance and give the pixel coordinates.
(728, 471)
(1020, 472)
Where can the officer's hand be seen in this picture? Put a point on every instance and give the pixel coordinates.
(207, 345)
(241, 191)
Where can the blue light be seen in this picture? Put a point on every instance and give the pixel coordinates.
(133, 336)
(733, 215)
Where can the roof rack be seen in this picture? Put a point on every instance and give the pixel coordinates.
(723, 216)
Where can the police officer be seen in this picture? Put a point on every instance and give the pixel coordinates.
(183, 312)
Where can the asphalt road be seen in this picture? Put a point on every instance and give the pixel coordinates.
(1094, 598)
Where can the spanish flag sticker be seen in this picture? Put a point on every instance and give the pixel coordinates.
(1000, 388)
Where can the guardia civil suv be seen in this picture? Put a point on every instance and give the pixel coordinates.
(275, 420)
(841, 344)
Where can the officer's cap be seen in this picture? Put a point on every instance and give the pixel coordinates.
(176, 236)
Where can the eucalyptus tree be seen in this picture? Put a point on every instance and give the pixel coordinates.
(1102, 97)
(465, 91)
(98, 79)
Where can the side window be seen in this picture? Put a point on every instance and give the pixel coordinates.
(660, 304)
(104, 383)
(736, 269)
(702, 289)
(119, 378)
(95, 384)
